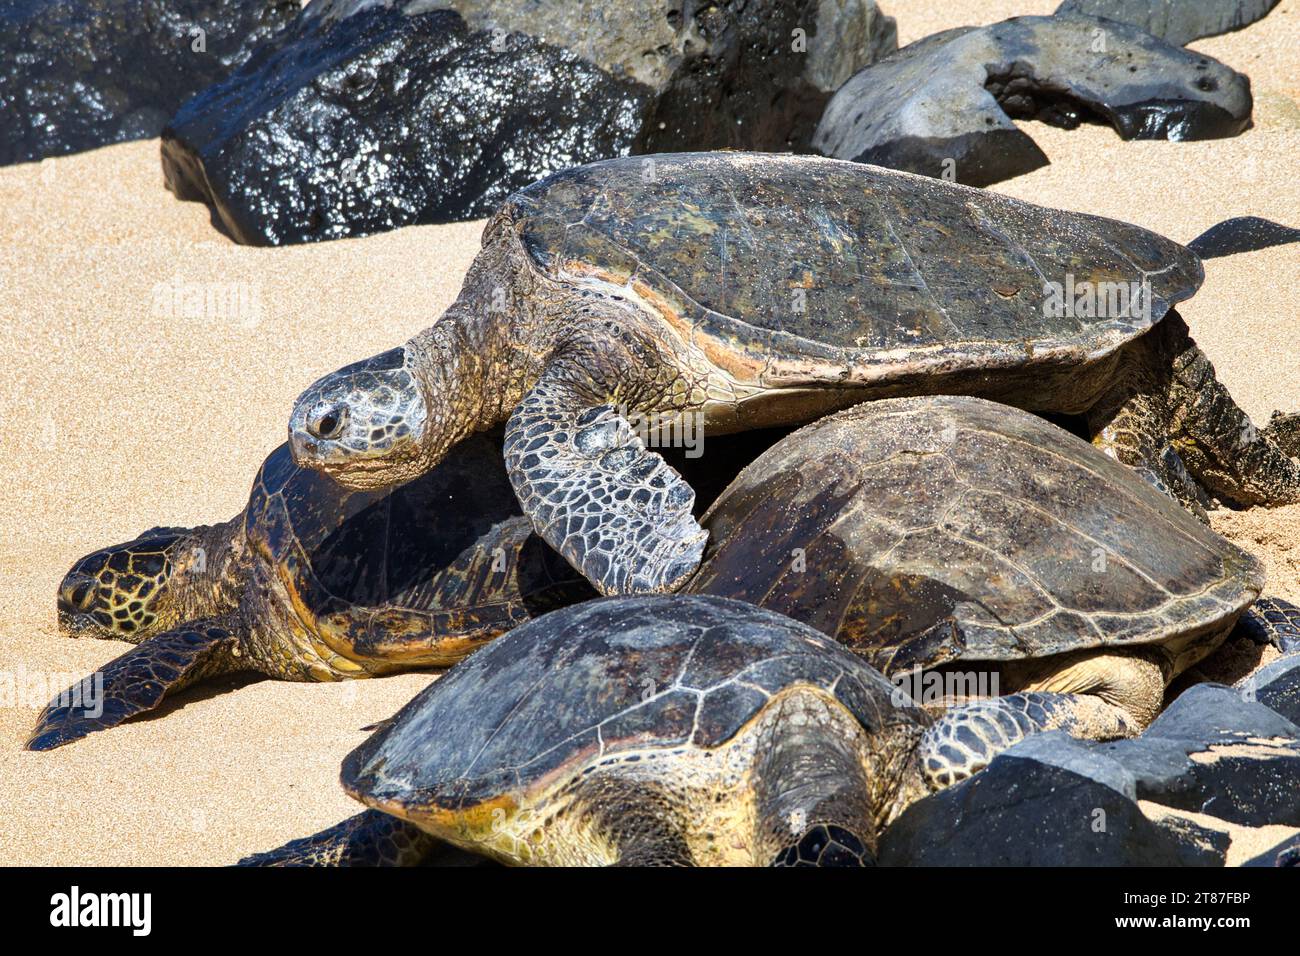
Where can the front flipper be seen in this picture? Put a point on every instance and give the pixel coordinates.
(1272, 620)
(138, 681)
(618, 512)
(828, 846)
(371, 838)
(967, 737)
(505, 578)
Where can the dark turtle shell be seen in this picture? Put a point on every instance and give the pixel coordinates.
(591, 680)
(925, 530)
(798, 268)
(415, 558)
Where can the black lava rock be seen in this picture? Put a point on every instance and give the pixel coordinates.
(1286, 853)
(381, 120)
(77, 74)
(367, 115)
(1175, 21)
(1213, 752)
(1277, 687)
(1043, 805)
(944, 106)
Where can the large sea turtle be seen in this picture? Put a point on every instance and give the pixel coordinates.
(965, 548)
(746, 290)
(650, 730)
(655, 730)
(312, 581)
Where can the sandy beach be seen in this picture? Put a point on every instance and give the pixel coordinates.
(120, 412)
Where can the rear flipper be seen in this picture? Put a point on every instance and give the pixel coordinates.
(505, 578)
(1167, 416)
(138, 681)
(1216, 439)
(371, 838)
(1131, 424)
(1283, 430)
(1272, 620)
(966, 738)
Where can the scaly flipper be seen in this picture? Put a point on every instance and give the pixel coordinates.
(618, 512)
(1283, 429)
(1131, 424)
(138, 681)
(506, 577)
(371, 838)
(1169, 417)
(966, 738)
(1272, 620)
(1217, 440)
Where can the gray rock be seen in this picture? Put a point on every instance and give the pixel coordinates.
(1286, 853)
(1040, 809)
(1277, 687)
(1213, 752)
(367, 115)
(1175, 21)
(944, 106)
(1197, 845)
(1207, 713)
(78, 74)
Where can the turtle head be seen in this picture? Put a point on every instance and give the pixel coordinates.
(365, 425)
(128, 591)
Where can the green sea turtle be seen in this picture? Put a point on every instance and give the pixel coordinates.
(653, 730)
(743, 291)
(312, 581)
(967, 548)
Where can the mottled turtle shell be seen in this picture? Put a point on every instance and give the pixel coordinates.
(595, 679)
(416, 557)
(796, 268)
(920, 531)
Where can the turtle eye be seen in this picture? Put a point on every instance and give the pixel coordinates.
(327, 422)
(81, 595)
(78, 592)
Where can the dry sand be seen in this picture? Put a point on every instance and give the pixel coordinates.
(118, 417)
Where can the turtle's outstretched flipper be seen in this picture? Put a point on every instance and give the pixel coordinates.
(371, 838)
(506, 577)
(1216, 438)
(138, 681)
(1274, 621)
(966, 738)
(618, 512)
(1131, 424)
